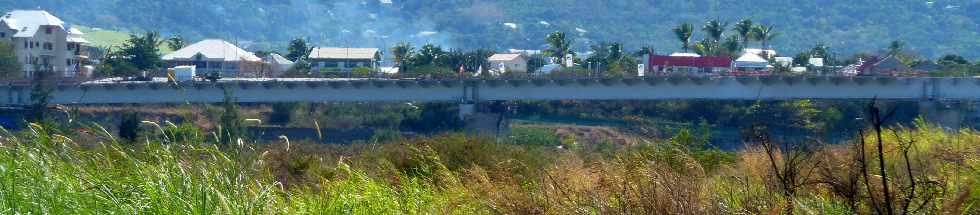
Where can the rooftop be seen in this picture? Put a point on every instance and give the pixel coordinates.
(343, 53)
(276, 59)
(27, 22)
(212, 49)
(504, 57)
(690, 61)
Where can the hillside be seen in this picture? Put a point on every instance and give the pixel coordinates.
(930, 28)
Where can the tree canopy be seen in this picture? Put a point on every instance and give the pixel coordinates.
(9, 67)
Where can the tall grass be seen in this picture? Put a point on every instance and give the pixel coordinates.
(178, 169)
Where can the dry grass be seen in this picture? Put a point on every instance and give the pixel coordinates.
(50, 171)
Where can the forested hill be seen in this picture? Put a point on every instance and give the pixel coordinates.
(929, 28)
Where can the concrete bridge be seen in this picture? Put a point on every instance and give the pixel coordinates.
(470, 91)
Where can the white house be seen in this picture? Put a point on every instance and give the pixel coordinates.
(751, 62)
(761, 52)
(214, 56)
(508, 63)
(343, 59)
(783, 61)
(278, 64)
(42, 42)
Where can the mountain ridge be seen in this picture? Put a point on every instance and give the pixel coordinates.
(848, 27)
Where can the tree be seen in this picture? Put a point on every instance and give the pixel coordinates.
(298, 50)
(764, 34)
(299, 70)
(114, 66)
(683, 33)
(142, 51)
(644, 51)
(129, 126)
(732, 45)
(176, 43)
(429, 54)
(480, 58)
(9, 67)
(231, 121)
(40, 95)
(706, 47)
(282, 113)
(401, 52)
(615, 52)
(715, 29)
(744, 29)
(952, 59)
(600, 54)
(712, 45)
(896, 47)
(560, 46)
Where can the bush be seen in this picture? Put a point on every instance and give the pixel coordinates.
(534, 136)
(361, 72)
(129, 126)
(282, 113)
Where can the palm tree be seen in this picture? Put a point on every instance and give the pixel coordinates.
(744, 29)
(430, 54)
(298, 50)
(615, 52)
(643, 51)
(401, 52)
(560, 45)
(895, 47)
(732, 44)
(176, 43)
(715, 29)
(764, 34)
(706, 47)
(684, 33)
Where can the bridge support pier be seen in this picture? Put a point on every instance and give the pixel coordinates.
(466, 110)
(488, 123)
(948, 115)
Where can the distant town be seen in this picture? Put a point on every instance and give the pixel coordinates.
(41, 42)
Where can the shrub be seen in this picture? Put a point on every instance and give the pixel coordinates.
(129, 126)
(534, 136)
(282, 113)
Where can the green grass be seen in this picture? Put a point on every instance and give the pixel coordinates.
(99, 37)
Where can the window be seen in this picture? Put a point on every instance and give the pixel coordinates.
(3, 34)
(68, 61)
(48, 46)
(47, 30)
(26, 44)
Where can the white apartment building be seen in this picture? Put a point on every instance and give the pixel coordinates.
(42, 42)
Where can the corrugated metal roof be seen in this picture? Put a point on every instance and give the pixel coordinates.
(277, 59)
(504, 57)
(699, 62)
(75, 36)
(27, 22)
(343, 53)
(749, 60)
(212, 49)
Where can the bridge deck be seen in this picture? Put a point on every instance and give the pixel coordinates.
(650, 88)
